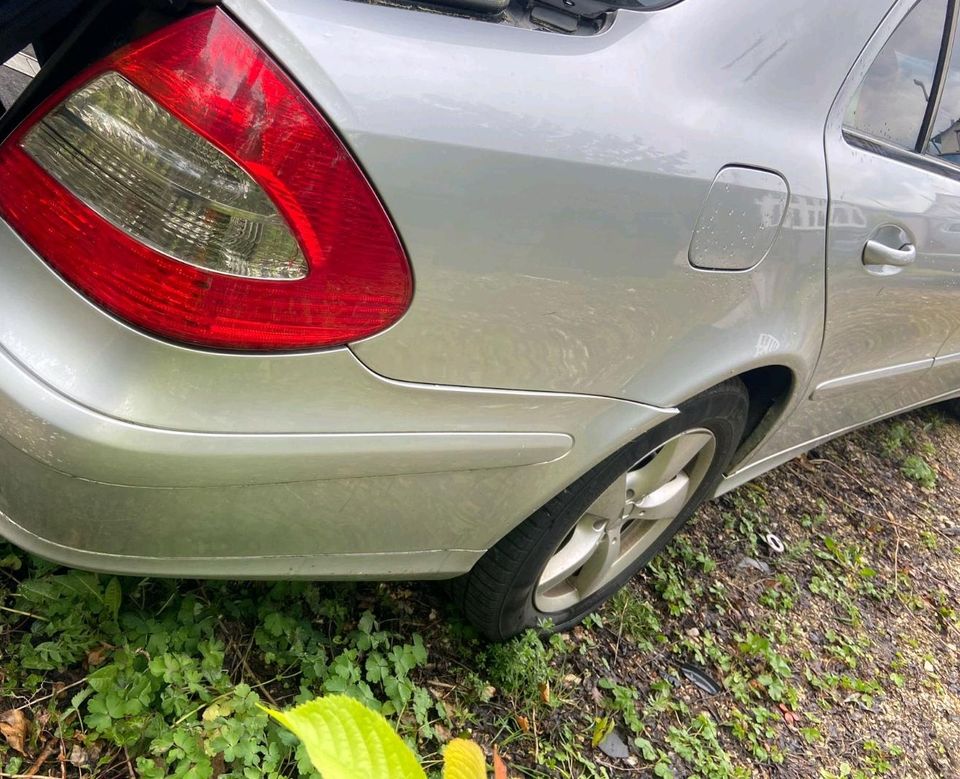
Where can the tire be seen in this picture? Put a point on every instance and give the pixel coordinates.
(511, 587)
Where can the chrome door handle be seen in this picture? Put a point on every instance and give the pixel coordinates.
(877, 253)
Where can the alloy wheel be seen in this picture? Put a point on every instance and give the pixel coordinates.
(625, 521)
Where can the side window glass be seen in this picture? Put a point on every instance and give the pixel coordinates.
(892, 99)
(945, 130)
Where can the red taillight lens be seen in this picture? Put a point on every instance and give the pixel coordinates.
(188, 186)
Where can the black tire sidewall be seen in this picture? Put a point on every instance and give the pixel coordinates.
(722, 410)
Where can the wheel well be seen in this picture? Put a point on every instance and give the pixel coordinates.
(768, 388)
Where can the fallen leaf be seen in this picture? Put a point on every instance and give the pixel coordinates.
(545, 692)
(13, 727)
(788, 716)
(523, 723)
(462, 759)
(601, 727)
(79, 757)
(96, 656)
(499, 767)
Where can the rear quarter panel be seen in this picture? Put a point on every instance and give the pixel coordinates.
(547, 187)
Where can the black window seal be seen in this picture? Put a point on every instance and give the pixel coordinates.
(939, 78)
(882, 148)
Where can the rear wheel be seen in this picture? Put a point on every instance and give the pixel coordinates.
(582, 546)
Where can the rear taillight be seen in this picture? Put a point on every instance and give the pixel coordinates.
(188, 186)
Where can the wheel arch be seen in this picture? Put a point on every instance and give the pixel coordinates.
(770, 389)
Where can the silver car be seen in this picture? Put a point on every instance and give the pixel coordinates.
(495, 291)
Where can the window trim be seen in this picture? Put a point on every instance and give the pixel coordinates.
(882, 148)
(939, 78)
(917, 156)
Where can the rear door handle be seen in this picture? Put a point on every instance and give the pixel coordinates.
(877, 253)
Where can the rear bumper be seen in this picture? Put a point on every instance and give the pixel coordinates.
(78, 442)
(93, 492)
(312, 465)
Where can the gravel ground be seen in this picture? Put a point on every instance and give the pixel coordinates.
(838, 657)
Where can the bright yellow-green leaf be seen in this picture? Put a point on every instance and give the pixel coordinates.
(462, 759)
(601, 729)
(346, 740)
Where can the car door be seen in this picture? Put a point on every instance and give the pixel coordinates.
(943, 151)
(893, 254)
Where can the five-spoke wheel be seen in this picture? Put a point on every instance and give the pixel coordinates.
(625, 520)
(579, 548)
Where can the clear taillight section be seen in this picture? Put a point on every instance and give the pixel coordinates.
(189, 187)
(147, 173)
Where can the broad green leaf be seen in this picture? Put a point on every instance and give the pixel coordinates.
(346, 740)
(462, 759)
(113, 597)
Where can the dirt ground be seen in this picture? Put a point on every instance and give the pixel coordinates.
(837, 657)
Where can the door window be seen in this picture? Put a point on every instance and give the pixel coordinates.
(945, 130)
(892, 99)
